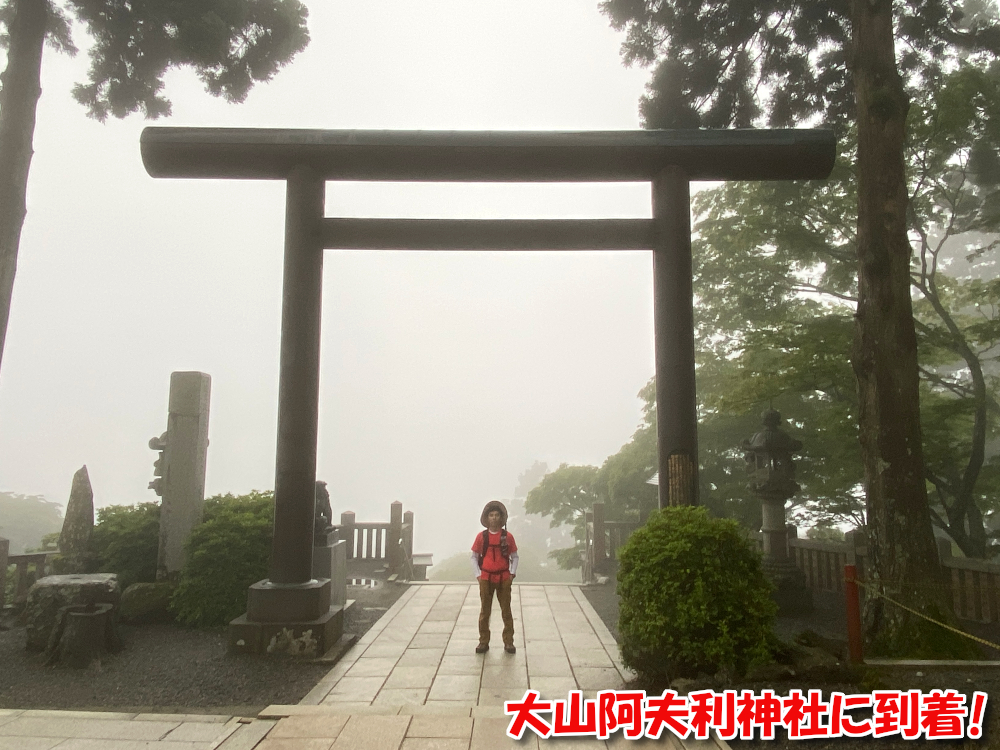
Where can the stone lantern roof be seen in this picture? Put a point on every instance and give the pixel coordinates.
(769, 458)
(772, 439)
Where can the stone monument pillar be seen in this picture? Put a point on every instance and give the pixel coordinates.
(769, 460)
(180, 469)
(78, 526)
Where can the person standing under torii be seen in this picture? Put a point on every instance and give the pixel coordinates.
(494, 560)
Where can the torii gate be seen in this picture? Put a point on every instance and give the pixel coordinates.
(306, 159)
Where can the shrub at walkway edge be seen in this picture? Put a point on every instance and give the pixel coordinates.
(693, 598)
(226, 553)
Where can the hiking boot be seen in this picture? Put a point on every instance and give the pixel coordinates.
(510, 649)
(482, 648)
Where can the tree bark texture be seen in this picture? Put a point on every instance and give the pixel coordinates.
(901, 541)
(18, 99)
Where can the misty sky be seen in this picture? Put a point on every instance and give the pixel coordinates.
(443, 375)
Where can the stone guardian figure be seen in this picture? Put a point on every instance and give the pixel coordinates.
(324, 512)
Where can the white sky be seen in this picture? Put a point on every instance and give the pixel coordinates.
(443, 375)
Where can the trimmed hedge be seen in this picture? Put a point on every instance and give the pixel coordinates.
(226, 553)
(693, 598)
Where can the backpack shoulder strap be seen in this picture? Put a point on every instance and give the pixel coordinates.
(486, 544)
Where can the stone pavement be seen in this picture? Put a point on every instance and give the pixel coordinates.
(412, 682)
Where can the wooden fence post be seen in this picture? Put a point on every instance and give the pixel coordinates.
(347, 522)
(853, 602)
(395, 535)
(600, 546)
(408, 535)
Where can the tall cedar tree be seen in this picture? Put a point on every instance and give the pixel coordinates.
(231, 44)
(743, 62)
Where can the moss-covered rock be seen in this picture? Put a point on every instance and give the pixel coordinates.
(144, 603)
(50, 594)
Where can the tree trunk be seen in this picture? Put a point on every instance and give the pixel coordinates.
(901, 541)
(18, 100)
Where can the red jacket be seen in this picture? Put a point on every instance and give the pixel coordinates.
(493, 561)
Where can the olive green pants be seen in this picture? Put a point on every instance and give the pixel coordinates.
(486, 590)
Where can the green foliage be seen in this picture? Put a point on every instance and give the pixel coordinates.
(566, 494)
(825, 534)
(226, 553)
(776, 262)
(125, 541)
(231, 45)
(623, 479)
(25, 519)
(743, 64)
(50, 543)
(692, 597)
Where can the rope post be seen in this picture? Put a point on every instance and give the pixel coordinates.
(853, 602)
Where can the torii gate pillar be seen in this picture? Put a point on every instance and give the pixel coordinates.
(673, 325)
(291, 598)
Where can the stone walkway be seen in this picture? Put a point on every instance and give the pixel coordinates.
(412, 682)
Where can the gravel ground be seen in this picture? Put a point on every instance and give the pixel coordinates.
(829, 621)
(171, 669)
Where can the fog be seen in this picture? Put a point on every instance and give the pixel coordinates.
(444, 375)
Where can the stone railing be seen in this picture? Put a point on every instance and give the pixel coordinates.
(392, 542)
(27, 569)
(602, 542)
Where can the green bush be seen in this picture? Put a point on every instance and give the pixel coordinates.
(692, 598)
(226, 552)
(125, 541)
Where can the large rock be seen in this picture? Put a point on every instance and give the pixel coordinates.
(50, 594)
(144, 603)
(78, 526)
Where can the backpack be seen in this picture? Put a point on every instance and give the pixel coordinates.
(504, 551)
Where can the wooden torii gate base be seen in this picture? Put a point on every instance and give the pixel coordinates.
(291, 598)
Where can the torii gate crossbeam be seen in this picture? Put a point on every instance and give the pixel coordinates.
(306, 159)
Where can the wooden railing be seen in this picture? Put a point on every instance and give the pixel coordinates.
(975, 588)
(602, 542)
(975, 584)
(392, 541)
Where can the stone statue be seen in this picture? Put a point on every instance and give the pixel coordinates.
(324, 512)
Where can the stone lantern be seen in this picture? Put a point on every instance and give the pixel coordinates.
(772, 470)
